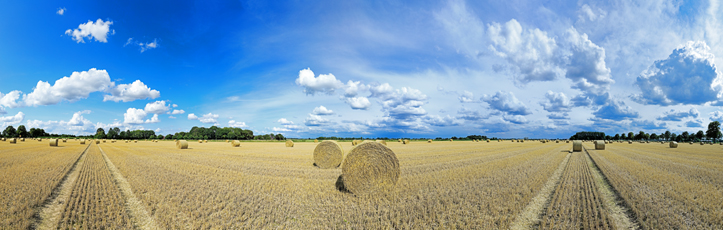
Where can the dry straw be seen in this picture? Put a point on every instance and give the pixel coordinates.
(235, 143)
(701, 143)
(399, 140)
(22, 139)
(576, 146)
(673, 144)
(316, 140)
(53, 142)
(82, 142)
(13, 141)
(599, 145)
(429, 141)
(382, 142)
(328, 154)
(289, 143)
(97, 142)
(405, 141)
(200, 141)
(182, 144)
(488, 141)
(370, 168)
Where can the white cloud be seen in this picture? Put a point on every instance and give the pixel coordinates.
(134, 116)
(174, 105)
(556, 102)
(506, 102)
(283, 121)
(716, 116)
(321, 110)
(192, 116)
(277, 129)
(673, 115)
(158, 131)
(12, 120)
(208, 118)
(315, 120)
(354, 87)
(157, 107)
(466, 97)
(358, 102)
(587, 12)
(178, 111)
(616, 111)
(78, 86)
(531, 52)
(688, 76)
(10, 100)
(130, 92)
(517, 119)
(76, 125)
(585, 65)
(153, 119)
(237, 124)
(98, 31)
(172, 117)
(78, 119)
(325, 83)
(60, 11)
(440, 121)
(148, 45)
(464, 28)
(470, 115)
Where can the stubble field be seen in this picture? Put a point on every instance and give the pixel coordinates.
(461, 184)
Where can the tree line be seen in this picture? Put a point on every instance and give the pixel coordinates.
(712, 134)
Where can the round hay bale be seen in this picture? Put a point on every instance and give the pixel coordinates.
(406, 141)
(381, 142)
(599, 145)
(316, 141)
(13, 141)
(227, 141)
(22, 139)
(522, 141)
(3, 139)
(135, 141)
(235, 143)
(205, 141)
(429, 141)
(673, 144)
(450, 140)
(355, 142)
(182, 144)
(289, 143)
(630, 142)
(97, 142)
(370, 168)
(399, 140)
(701, 143)
(82, 142)
(40, 140)
(691, 142)
(328, 154)
(488, 141)
(576, 146)
(200, 141)
(53, 142)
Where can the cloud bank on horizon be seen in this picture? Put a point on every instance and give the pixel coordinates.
(428, 69)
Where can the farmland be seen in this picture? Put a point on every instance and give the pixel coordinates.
(470, 185)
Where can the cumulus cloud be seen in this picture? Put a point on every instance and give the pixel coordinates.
(558, 116)
(556, 102)
(517, 119)
(98, 30)
(585, 64)
(506, 102)
(716, 116)
(315, 120)
(178, 111)
(78, 86)
(130, 92)
(76, 124)
(12, 120)
(673, 115)
(237, 124)
(153, 119)
(530, 52)
(157, 107)
(143, 46)
(192, 116)
(10, 100)
(694, 124)
(134, 116)
(283, 121)
(321, 110)
(208, 118)
(466, 97)
(589, 13)
(60, 11)
(361, 103)
(470, 115)
(688, 76)
(648, 125)
(615, 110)
(352, 88)
(440, 121)
(325, 83)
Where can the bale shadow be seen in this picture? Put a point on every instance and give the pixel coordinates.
(340, 185)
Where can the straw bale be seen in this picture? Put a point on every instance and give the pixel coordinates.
(370, 168)
(328, 154)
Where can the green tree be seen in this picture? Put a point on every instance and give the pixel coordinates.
(10, 131)
(685, 136)
(674, 137)
(100, 133)
(653, 136)
(112, 134)
(616, 137)
(280, 137)
(630, 135)
(700, 135)
(22, 132)
(666, 135)
(713, 130)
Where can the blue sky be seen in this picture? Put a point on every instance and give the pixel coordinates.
(363, 68)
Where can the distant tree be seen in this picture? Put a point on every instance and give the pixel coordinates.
(616, 137)
(99, 133)
(685, 136)
(674, 137)
(279, 137)
(22, 132)
(630, 135)
(713, 130)
(653, 136)
(700, 135)
(10, 131)
(666, 135)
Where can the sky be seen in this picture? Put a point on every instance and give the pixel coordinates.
(538, 69)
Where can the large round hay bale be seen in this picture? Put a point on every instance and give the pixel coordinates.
(370, 168)
(429, 141)
(182, 144)
(235, 143)
(82, 142)
(13, 141)
(630, 142)
(399, 140)
(599, 145)
(328, 154)
(522, 141)
(405, 141)
(701, 143)
(576, 146)
(289, 143)
(53, 142)
(673, 144)
(22, 139)
(488, 141)
(691, 142)
(135, 141)
(381, 142)
(3, 139)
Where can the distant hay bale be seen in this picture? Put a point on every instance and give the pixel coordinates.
(40, 140)
(97, 142)
(235, 143)
(405, 141)
(227, 141)
(82, 142)
(701, 143)
(488, 141)
(316, 140)
(22, 139)
(630, 142)
(399, 140)
(450, 140)
(567, 141)
(182, 144)
(289, 143)
(355, 142)
(691, 142)
(522, 141)
(370, 168)
(13, 141)
(3, 139)
(103, 141)
(53, 142)
(673, 144)
(576, 146)
(328, 154)
(429, 141)
(135, 141)
(200, 141)
(599, 145)
(381, 142)
(205, 141)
